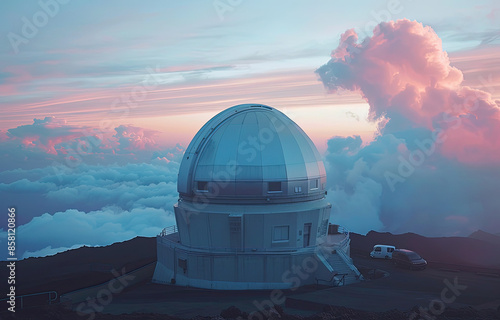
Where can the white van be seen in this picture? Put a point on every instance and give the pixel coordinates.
(382, 251)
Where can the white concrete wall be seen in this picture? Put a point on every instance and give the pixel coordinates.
(207, 247)
(209, 227)
(232, 271)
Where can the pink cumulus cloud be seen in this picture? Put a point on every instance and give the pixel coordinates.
(135, 138)
(406, 77)
(53, 135)
(52, 141)
(45, 133)
(434, 165)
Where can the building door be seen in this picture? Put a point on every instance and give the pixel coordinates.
(307, 234)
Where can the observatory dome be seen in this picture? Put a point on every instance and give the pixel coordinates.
(251, 153)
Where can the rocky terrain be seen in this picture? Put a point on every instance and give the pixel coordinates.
(471, 257)
(330, 313)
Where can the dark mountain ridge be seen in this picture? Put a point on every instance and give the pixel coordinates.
(480, 251)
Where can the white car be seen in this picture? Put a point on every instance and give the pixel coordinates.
(382, 251)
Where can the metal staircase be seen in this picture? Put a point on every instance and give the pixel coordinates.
(338, 267)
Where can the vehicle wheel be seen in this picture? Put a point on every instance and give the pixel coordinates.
(386, 257)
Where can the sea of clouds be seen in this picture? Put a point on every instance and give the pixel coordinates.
(71, 189)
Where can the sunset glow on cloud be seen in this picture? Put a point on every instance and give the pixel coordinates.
(432, 129)
(406, 77)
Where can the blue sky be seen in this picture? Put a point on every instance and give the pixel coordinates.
(97, 50)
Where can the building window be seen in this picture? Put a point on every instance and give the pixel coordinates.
(274, 186)
(298, 189)
(281, 233)
(202, 186)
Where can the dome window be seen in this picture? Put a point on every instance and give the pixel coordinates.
(202, 186)
(274, 186)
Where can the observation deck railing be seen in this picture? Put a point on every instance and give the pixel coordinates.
(52, 297)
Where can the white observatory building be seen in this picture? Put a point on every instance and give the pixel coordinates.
(252, 212)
